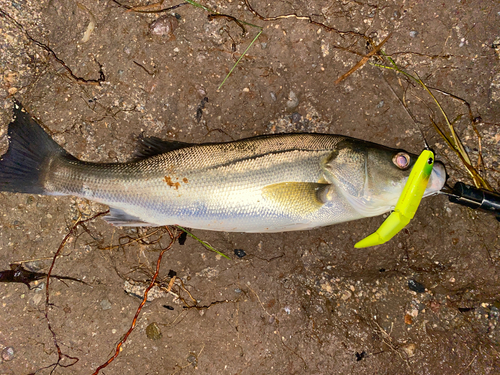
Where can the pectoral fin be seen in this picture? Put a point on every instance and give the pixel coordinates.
(297, 198)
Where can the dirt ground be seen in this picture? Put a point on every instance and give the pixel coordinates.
(296, 303)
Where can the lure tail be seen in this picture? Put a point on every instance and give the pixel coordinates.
(30, 152)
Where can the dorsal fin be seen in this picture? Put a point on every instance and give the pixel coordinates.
(151, 146)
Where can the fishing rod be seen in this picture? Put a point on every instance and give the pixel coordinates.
(475, 198)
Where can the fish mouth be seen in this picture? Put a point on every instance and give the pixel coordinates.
(437, 179)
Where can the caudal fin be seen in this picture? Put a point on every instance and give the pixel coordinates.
(30, 149)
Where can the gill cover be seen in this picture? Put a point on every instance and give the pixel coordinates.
(346, 168)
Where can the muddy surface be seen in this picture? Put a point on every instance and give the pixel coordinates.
(427, 302)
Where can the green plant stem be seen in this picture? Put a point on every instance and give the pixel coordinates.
(242, 55)
(204, 243)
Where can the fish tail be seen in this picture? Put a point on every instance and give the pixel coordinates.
(23, 166)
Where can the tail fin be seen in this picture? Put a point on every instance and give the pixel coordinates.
(30, 148)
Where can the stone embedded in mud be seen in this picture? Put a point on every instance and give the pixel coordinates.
(153, 331)
(408, 319)
(345, 295)
(416, 286)
(137, 289)
(8, 354)
(240, 253)
(164, 26)
(293, 101)
(105, 304)
(495, 88)
(193, 360)
(409, 349)
(296, 117)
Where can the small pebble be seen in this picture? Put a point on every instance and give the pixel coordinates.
(172, 273)
(345, 295)
(193, 360)
(409, 349)
(408, 319)
(240, 253)
(296, 117)
(105, 304)
(153, 331)
(36, 299)
(360, 356)
(413, 33)
(293, 100)
(182, 238)
(34, 266)
(416, 286)
(8, 354)
(164, 26)
(38, 287)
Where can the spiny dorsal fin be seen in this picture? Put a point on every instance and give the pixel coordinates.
(298, 198)
(151, 146)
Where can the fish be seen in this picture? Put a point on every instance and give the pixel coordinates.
(268, 183)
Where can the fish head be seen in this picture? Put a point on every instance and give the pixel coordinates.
(372, 177)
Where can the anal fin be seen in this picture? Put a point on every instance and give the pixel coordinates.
(298, 198)
(120, 218)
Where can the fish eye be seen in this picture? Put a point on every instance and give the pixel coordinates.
(430, 161)
(401, 160)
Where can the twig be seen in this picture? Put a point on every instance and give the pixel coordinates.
(60, 354)
(134, 320)
(97, 81)
(151, 8)
(132, 240)
(230, 18)
(305, 18)
(363, 61)
(453, 141)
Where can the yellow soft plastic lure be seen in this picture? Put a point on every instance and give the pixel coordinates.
(407, 204)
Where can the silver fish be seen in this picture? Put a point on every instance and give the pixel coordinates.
(269, 183)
